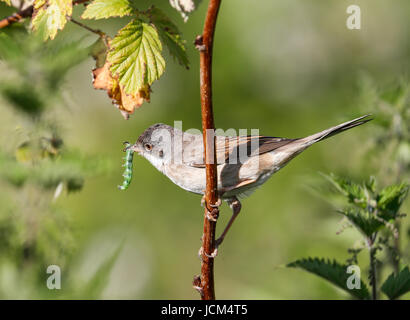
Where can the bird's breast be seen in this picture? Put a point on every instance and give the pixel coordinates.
(189, 178)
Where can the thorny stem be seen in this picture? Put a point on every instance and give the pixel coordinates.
(205, 283)
(28, 12)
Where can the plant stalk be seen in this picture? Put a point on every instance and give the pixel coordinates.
(204, 43)
(373, 268)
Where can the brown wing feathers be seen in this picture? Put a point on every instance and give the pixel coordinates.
(232, 146)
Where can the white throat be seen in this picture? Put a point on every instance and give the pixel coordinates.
(156, 162)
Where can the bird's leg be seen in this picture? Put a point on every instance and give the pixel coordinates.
(212, 215)
(236, 206)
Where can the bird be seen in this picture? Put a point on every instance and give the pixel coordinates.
(244, 163)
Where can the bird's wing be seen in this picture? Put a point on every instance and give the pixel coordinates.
(230, 149)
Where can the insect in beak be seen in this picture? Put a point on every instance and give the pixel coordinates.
(133, 147)
(127, 146)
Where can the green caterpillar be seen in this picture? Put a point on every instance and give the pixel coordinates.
(129, 154)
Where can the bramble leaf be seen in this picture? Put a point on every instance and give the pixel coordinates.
(104, 80)
(135, 56)
(397, 284)
(103, 9)
(49, 16)
(170, 35)
(332, 272)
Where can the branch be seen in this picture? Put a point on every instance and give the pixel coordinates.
(26, 13)
(204, 43)
(17, 16)
(96, 31)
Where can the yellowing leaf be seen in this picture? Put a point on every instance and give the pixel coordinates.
(49, 16)
(100, 9)
(135, 56)
(104, 80)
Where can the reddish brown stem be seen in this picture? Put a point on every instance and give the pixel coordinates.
(17, 16)
(28, 12)
(204, 44)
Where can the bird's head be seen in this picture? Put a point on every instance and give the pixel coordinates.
(155, 144)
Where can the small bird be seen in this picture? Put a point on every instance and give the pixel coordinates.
(243, 162)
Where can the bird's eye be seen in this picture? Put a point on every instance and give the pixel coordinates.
(148, 146)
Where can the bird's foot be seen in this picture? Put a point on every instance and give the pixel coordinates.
(213, 213)
(212, 255)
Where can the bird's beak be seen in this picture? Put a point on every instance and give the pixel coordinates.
(135, 148)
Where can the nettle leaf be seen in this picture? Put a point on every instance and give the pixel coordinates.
(49, 16)
(397, 284)
(371, 184)
(103, 9)
(333, 272)
(353, 191)
(185, 7)
(170, 35)
(365, 222)
(391, 198)
(135, 56)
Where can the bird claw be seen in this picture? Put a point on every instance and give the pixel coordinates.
(212, 214)
(212, 255)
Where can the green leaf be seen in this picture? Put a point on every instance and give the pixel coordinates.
(332, 272)
(170, 35)
(391, 198)
(354, 192)
(50, 16)
(7, 1)
(103, 9)
(397, 284)
(371, 184)
(135, 56)
(364, 221)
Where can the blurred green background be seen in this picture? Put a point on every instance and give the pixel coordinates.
(287, 67)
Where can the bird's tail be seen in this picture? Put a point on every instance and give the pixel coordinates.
(296, 146)
(336, 130)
